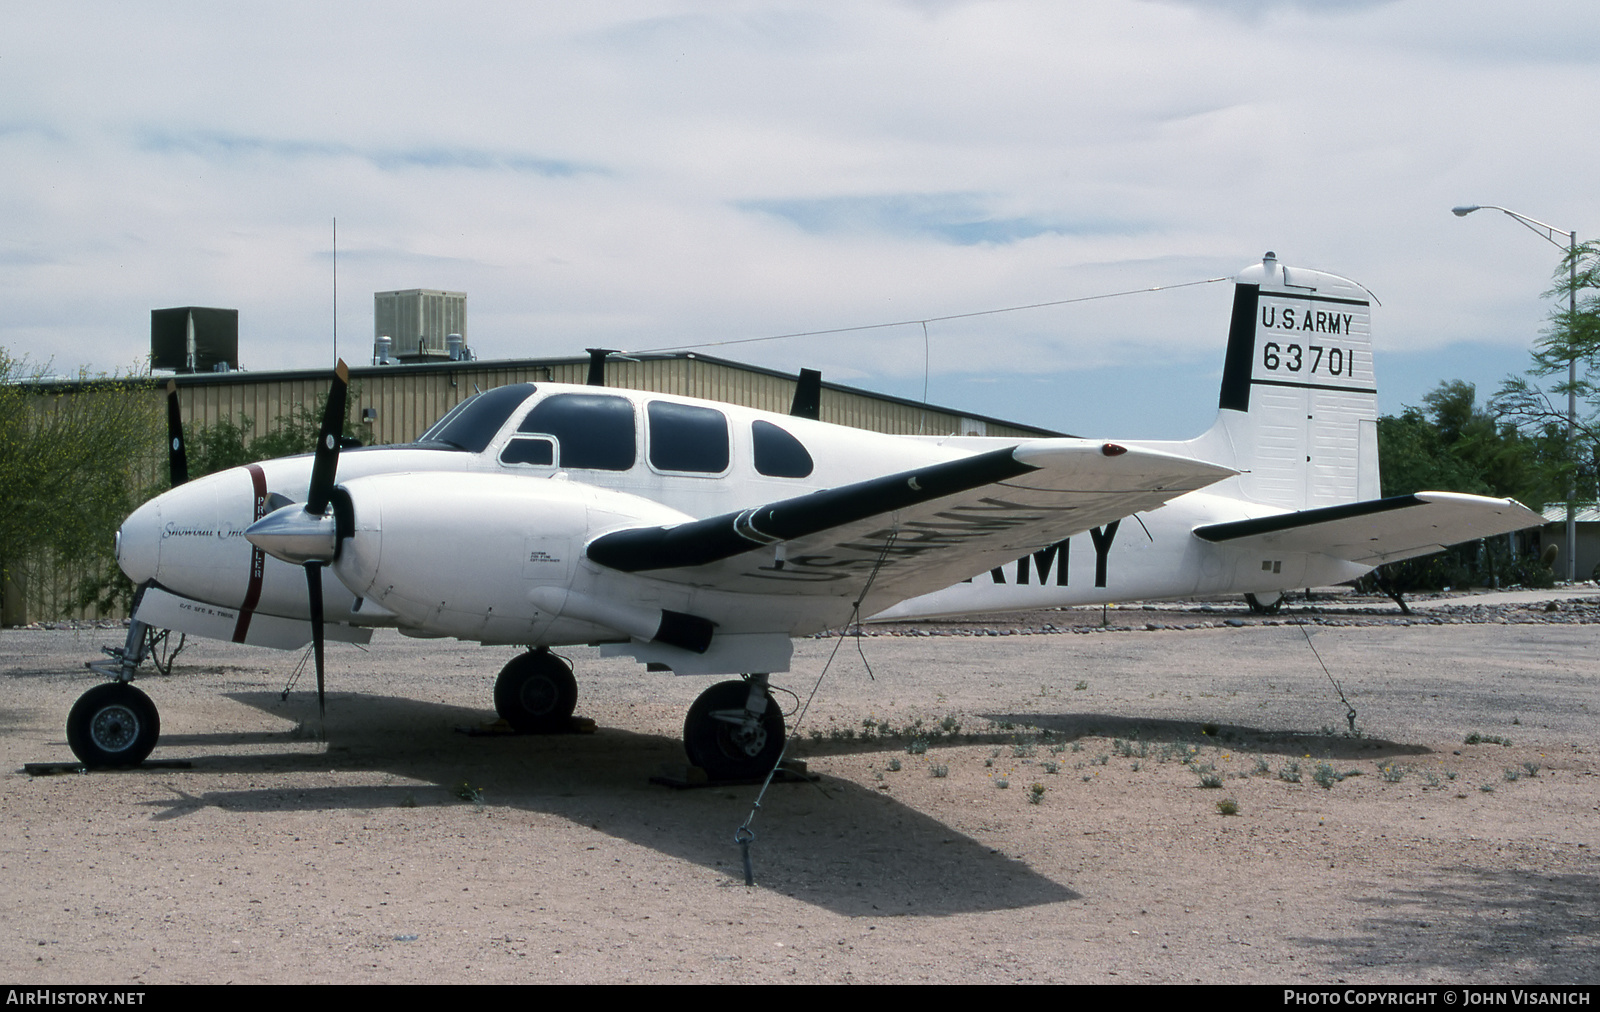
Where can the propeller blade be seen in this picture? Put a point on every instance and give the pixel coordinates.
(177, 459)
(326, 462)
(314, 592)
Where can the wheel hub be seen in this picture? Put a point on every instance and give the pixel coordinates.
(114, 728)
(749, 740)
(539, 695)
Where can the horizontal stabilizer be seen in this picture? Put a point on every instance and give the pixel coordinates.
(1379, 530)
(924, 529)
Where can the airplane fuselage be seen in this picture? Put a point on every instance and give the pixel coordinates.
(648, 459)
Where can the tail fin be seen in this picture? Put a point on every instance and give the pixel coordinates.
(1298, 415)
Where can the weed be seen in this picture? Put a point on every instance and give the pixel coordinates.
(1209, 730)
(1325, 776)
(1391, 773)
(1485, 739)
(949, 725)
(409, 801)
(1050, 766)
(1101, 760)
(1077, 746)
(1262, 766)
(1486, 788)
(1228, 806)
(467, 792)
(1136, 765)
(939, 770)
(918, 746)
(1002, 783)
(1058, 748)
(1532, 768)
(1035, 794)
(1513, 774)
(894, 766)
(1210, 780)
(1023, 750)
(1290, 772)
(1080, 686)
(987, 763)
(815, 734)
(1449, 775)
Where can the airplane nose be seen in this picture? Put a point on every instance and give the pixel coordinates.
(139, 543)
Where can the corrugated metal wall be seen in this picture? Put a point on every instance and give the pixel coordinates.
(408, 399)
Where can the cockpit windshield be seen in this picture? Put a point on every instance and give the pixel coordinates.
(472, 424)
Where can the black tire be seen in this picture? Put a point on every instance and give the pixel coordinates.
(536, 693)
(113, 725)
(720, 748)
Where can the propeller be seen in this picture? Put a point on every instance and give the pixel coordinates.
(307, 536)
(323, 467)
(177, 459)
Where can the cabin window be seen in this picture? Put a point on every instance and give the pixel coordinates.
(523, 450)
(593, 431)
(472, 424)
(779, 454)
(686, 437)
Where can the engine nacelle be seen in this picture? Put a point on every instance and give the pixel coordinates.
(490, 557)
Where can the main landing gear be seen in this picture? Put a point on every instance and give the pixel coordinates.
(536, 693)
(735, 731)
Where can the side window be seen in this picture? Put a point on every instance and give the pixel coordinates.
(778, 454)
(685, 437)
(592, 431)
(523, 450)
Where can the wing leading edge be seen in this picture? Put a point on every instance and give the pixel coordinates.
(1380, 530)
(919, 530)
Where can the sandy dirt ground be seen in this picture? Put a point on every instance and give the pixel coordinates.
(404, 851)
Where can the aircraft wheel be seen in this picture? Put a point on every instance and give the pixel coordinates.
(536, 693)
(724, 749)
(1265, 604)
(113, 725)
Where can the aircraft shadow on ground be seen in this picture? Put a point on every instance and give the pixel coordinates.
(851, 850)
(1471, 918)
(1071, 726)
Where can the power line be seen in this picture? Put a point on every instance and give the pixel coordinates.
(924, 322)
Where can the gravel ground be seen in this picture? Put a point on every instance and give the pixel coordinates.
(402, 850)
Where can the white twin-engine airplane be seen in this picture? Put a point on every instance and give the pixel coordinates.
(700, 537)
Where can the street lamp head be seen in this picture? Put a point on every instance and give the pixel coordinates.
(1465, 209)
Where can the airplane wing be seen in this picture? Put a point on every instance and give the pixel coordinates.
(915, 531)
(1380, 530)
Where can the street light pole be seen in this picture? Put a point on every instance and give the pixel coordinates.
(1549, 233)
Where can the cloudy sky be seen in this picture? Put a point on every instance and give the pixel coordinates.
(650, 175)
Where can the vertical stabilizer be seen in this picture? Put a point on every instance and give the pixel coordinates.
(1298, 412)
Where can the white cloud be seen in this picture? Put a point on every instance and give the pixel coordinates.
(644, 175)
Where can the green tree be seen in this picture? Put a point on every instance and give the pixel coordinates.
(226, 444)
(1452, 444)
(75, 458)
(1536, 402)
